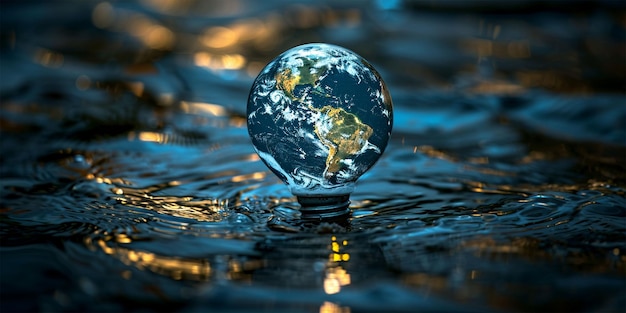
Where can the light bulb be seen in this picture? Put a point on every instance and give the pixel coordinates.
(319, 116)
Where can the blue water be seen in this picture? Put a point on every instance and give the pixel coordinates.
(129, 183)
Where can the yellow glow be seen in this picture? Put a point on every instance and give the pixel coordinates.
(200, 210)
(331, 286)
(151, 137)
(122, 238)
(336, 257)
(147, 30)
(219, 37)
(158, 37)
(104, 247)
(340, 257)
(329, 307)
(237, 121)
(203, 108)
(202, 59)
(146, 257)
(253, 176)
(104, 180)
(220, 62)
(174, 267)
(132, 256)
(233, 61)
(252, 157)
(251, 29)
(336, 277)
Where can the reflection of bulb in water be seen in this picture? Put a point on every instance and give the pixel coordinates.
(319, 117)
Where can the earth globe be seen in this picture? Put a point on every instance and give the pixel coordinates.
(319, 116)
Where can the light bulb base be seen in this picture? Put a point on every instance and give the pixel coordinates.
(324, 208)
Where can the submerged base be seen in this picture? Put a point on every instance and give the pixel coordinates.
(324, 208)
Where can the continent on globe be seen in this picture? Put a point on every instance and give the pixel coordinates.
(305, 74)
(344, 135)
(319, 116)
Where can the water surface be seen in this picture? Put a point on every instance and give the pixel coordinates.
(129, 183)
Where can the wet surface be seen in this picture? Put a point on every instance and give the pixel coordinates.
(129, 183)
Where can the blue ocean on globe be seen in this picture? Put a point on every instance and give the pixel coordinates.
(319, 116)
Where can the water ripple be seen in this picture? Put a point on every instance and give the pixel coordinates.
(129, 181)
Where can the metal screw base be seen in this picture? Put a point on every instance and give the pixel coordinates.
(324, 208)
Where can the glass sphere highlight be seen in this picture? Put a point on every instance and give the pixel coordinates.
(319, 116)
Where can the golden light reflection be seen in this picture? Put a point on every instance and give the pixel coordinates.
(219, 37)
(336, 276)
(156, 137)
(329, 307)
(252, 157)
(138, 25)
(191, 7)
(174, 267)
(48, 58)
(219, 62)
(432, 152)
(246, 177)
(198, 269)
(151, 137)
(207, 210)
(203, 108)
(258, 32)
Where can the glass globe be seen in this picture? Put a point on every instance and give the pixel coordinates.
(319, 116)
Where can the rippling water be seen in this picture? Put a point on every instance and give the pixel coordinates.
(129, 182)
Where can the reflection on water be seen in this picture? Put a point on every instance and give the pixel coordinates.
(129, 181)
